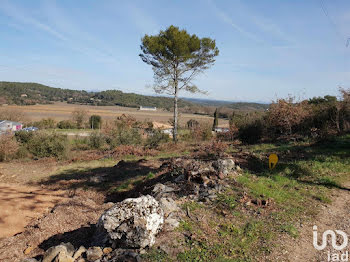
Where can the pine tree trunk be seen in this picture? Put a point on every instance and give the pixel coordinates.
(175, 113)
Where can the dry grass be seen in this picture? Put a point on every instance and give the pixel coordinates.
(63, 111)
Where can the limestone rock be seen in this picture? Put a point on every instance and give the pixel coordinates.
(93, 254)
(29, 260)
(64, 257)
(62, 253)
(107, 250)
(132, 223)
(168, 205)
(52, 252)
(79, 252)
(161, 190)
(224, 166)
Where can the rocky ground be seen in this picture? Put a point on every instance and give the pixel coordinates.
(86, 228)
(188, 208)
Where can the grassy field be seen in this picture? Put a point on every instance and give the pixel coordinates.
(62, 111)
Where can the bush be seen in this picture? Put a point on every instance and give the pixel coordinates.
(81, 143)
(285, 115)
(66, 124)
(45, 123)
(252, 132)
(231, 135)
(79, 117)
(123, 135)
(23, 136)
(156, 138)
(8, 147)
(22, 152)
(48, 145)
(95, 122)
(206, 132)
(96, 140)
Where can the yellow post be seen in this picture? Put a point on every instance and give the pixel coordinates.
(273, 159)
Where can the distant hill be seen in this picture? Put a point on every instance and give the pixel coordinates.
(34, 93)
(229, 104)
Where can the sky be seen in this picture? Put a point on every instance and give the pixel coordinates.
(268, 49)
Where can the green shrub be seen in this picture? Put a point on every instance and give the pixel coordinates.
(252, 132)
(23, 136)
(95, 122)
(156, 138)
(123, 135)
(44, 144)
(206, 132)
(45, 123)
(81, 143)
(96, 140)
(66, 124)
(22, 152)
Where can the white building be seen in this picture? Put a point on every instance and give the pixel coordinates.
(9, 126)
(148, 108)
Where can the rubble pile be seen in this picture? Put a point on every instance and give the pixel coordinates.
(129, 227)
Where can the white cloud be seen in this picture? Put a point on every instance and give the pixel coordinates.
(62, 29)
(227, 19)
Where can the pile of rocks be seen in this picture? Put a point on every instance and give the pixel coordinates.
(202, 180)
(122, 232)
(129, 227)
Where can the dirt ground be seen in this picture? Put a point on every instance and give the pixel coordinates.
(20, 204)
(333, 216)
(34, 216)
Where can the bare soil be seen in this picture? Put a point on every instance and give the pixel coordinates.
(68, 221)
(333, 216)
(19, 204)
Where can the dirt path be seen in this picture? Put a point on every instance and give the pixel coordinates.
(334, 216)
(19, 204)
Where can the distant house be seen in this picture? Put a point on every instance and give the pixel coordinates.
(148, 108)
(9, 126)
(221, 129)
(168, 131)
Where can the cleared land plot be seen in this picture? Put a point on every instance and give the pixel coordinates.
(19, 204)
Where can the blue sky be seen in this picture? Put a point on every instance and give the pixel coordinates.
(268, 49)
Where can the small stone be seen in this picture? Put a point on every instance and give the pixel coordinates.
(52, 252)
(179, 178)
(238, 168)
(64, 257)
(168, 205)
(221, 175)
(160, 190)
(94, 253)
(171, 223)
(107, 250)
(79, 252)
(28, 250)
(29, 260)
(212, 197)
(69, 248)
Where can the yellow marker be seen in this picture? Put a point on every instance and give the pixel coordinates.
(273, 159)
